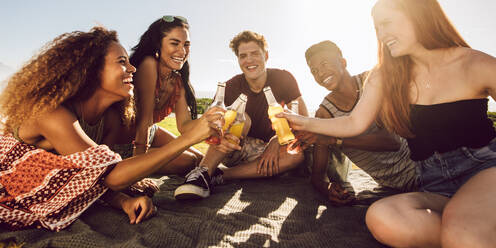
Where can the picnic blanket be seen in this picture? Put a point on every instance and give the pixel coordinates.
(279, 212)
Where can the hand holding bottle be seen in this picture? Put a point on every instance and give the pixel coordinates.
(207, 125)
(297, 122)
(279, 124)
(217, 104)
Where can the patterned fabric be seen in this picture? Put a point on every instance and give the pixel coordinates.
(391, 169)
(39, 188)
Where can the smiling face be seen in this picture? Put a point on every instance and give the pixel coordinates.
(394, 29)
(117, 73)
(174, 50)
(327, 69)
(252, 60)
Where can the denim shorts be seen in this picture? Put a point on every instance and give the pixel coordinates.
(126, 150)
(445, 173)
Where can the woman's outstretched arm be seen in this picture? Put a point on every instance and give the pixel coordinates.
(63, 132)
(362, 116)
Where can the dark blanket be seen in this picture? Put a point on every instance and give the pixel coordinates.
(278, 212)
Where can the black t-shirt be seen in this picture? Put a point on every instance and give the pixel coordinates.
(284, 87)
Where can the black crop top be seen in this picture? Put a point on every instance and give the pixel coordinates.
(447, 126)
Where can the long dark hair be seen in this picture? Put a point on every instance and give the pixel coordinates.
(150, 43)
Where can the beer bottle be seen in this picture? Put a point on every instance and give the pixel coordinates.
(295, 145)
(218, 102)
(231, 112)
(280, 125)
(293, 106)
(238, 107)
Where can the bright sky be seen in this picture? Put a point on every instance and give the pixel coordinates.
(290, 27)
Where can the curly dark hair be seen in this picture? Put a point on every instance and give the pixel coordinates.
(150, 43)
(64, 70)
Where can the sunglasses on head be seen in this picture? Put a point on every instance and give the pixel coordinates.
(169, 18)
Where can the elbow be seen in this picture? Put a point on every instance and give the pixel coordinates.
(180, 128)
(359, 127)
(114, 183)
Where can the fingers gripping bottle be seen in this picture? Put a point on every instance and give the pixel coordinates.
(280, 125)
(231, 113)
(218, 102)
(238, 107)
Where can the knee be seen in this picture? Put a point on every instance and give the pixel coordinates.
(461, 230)
(188, 162)
(384, 221)
(292, 160)
(377, 219)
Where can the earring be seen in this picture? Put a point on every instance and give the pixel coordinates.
(156, 54)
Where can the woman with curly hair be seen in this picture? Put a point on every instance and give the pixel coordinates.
(162, 87)
(51, 169)
(431, 88)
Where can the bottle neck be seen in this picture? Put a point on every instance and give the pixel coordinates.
(294, 106)
(241, 108)
(240, 112)
(235, 105)
(271, 100)
(219, 96)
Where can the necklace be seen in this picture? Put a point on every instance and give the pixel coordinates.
(163, 82)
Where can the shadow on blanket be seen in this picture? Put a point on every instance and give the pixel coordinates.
(279, 212)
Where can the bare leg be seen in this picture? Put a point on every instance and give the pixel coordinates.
(469, 219)
(213, 157)
(249, 170)
(466, 220)
(183, 163)
(407, 220)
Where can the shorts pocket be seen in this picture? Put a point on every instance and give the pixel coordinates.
(481, 155)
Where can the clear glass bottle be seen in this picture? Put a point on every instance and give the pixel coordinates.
(238, 122)
(231, 112)
(217, 102)
(280, 125)
(293, 106)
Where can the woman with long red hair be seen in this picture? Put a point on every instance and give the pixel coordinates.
(431, 88)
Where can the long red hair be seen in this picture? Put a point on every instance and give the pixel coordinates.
(433, 30)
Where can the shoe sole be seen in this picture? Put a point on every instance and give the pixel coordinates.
(190, 192)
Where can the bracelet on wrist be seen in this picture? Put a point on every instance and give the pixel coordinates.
(138, 144)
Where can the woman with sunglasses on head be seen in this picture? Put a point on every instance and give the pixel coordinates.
(432, 88)
(162, 87)
(51, 170)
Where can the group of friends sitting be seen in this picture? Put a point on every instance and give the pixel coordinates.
(80, 124)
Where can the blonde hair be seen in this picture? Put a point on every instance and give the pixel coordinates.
(66, 69)
(433, 30)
